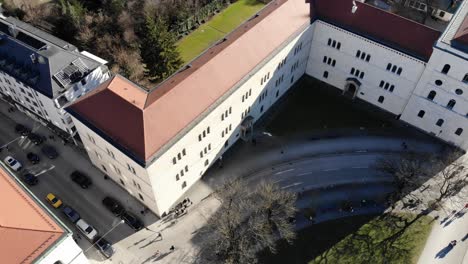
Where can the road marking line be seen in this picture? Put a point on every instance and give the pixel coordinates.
(281, 172)
(291, 185)
(362, 167)
(305, 173)
(331, 169)
(360, 151)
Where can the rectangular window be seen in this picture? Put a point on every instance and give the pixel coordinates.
(117, 170)
(141, 196)
(174, 160)
(179, 156)
(186, 168)
(183, 152)
(184, 184)
(110, 153)
(130, 168)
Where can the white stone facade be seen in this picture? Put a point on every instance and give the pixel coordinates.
(385, 77)
(160, 184)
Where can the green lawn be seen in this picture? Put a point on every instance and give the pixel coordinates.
(215, 29)
(364, 245)
(353, 240)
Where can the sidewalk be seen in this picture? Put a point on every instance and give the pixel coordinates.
(454, 228)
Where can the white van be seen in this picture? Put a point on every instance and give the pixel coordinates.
(87, 230)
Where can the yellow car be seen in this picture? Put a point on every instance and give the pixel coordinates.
(53, 200)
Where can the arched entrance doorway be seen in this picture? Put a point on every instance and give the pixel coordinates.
(351, 87)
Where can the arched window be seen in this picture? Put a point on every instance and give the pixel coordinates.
(440, 122)
(459, 131)
(334, 43)
(325, 59)
(368, 58)
(333, 63)
(338, 46)
(451, 104)
(392, 87)
(329, 61)
(394, 68)
(446, 69)
(352, 70)
(381, 99)
(358, 53)
(421, 113)
(361, 75)
(431, 95)
(389, 66)
(465, 79)
(325, 74)
(363, 56)
(381, 84)
(329, 42)
(386, 86)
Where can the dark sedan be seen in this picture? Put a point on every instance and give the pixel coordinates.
(49, 152)
(35, 138)
(131, 220)
(33, 158)
(104, 247)
(81, 179)
(30, 179)
(113, 205)
(20, 129)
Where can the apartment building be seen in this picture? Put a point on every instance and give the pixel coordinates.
(41, 74)
(157, 143)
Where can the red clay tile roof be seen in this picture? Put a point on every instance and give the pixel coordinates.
(462, 33)
(26, 231)
(389, 29)
(182, 98)
(142, 123)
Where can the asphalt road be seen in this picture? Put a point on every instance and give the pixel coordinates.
(54, 176)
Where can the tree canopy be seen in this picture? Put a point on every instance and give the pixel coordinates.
(158, 50)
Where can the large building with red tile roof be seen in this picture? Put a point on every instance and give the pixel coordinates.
(29, 233)
(158, 143)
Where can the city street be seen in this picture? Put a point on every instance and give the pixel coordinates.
(54, 176)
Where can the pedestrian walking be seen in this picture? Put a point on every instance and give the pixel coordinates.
(160, 236)
(172, 248)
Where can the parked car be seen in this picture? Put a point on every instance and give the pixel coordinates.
(35, 138)
(131, 220)
(33, 158)
(20, 129)
(49, 152)
(104, 247)
(81, 179)
(30, 179)
(87, 230)
(113, 205)
(71, 214)
(53, 200)
(13, 163)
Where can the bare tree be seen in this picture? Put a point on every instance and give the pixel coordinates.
(248, 221)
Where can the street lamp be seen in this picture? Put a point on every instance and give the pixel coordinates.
(6, 145)
(92, 245)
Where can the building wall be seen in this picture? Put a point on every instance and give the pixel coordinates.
(373, 62)
(118, 166)
(39, 106)
(66, 251)
(173, 172)
(447, 86)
